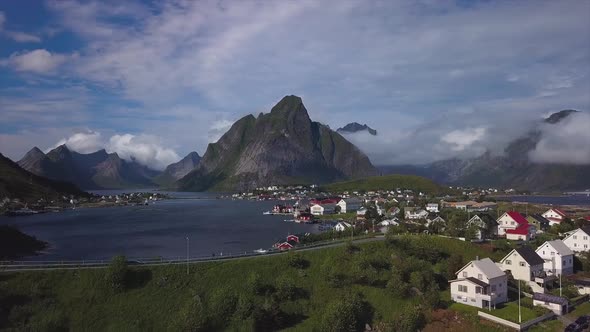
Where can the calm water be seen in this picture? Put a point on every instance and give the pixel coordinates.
(553, 200)
(212, 225)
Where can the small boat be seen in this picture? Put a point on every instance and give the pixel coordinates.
(260, 251)
(266, 213)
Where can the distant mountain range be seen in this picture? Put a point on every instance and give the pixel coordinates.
(15, 182)
(355, 127)
(98, 170)
(512, 169)
(281, 147)
(176, 171)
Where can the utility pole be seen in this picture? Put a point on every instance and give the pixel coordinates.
(187, 255)
(519, 315)
(560, 284)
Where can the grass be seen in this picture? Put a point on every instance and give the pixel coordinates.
(156, 297)
(580, 310)
(387, 182)
(344, 216)
(508, 311)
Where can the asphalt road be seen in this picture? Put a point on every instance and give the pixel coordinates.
(27, 266)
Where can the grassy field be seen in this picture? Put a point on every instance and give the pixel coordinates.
(294, 292)
(388, 182)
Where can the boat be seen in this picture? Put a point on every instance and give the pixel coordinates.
(266, 213)
(260, 251)
(22, 212)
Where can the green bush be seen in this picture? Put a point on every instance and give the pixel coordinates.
(296, 260)
(268, 317)
(192, 316)
(222, 304)
(346, 314)
(255, 284)
(116, 274)
(285, 288)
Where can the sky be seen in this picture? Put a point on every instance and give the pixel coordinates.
(155, 80)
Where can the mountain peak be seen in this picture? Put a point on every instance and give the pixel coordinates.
(355, 127)
(34, 152)
(556, 117)
(288, 104)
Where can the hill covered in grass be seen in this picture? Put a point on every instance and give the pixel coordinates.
(393, 285)
(388, 182)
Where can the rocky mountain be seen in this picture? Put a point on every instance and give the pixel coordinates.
(16, 182)
(355, 127)
(512, 169)
(97, 170)
(177, 170)
(280, 147)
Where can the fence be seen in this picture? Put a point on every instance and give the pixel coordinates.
(516, 326)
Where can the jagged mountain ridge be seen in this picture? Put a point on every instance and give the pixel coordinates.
(512, 169)
(16, 182)
(355, 127)
(280, 147)
(176, 171)
(97, 170)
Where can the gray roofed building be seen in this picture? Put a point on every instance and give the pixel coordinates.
(488, 267)
(529, 255)
(550, 298)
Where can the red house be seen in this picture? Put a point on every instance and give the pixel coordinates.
(293, 238)
(284, 246)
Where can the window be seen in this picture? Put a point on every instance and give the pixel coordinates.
(472, 300)
(563, 262)
(585, 246)
(543, 252)
(575, 244)
(463, 288)
(585, 238)
(512, 223)
(575, 237)
(522, 264)
(553, 253)
(508, 262)
(464, 274)
(479, 276)
(493, 288)
(477, 290)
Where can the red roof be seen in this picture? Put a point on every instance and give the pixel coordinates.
(520, 230)
(555, 219)
(560, 212)
(588, 218)
(518, 217)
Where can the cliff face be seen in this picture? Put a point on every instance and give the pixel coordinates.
(177, 170)
(281, 147)
(97, 170)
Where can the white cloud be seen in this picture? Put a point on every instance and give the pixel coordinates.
(144, 149)
(566, 142)
(83, 142)
(37, 61)
(461, 139)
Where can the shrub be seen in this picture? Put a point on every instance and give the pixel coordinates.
(116, 274)
(244, 308)
(397, 286)
(268, 317)
(254, 284)
(408, 319)
(297, 261)
(346, 314)
(192, 316)
(222, 304)
(285, 287)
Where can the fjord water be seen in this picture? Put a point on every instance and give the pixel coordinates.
(159, 230)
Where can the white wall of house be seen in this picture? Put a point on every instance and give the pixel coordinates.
(317, 210)
(466, 292)
(583, 290)
(552, 214)
(342, 205)
(554, 262)
(520, 269)
(578, 241)
(432, 207)
(506, 222)
(558, 309)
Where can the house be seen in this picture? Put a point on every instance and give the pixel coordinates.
(304, 217)
(342, 204)
(393, 212)
(317, 210)
(578, 240)
(525, 264)
(438, 220)
(559, 259)
(361, 212)
(510, 220)
(284, 246)
(293, 238)
(413, 213)
(342, 226)
(480, 283)
(524, 232)
(486, 226)
(554, 215)
(432, 207)
(557, 304)
(540, 222)
(471, 206)
(390, 222)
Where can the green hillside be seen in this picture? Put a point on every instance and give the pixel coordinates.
(388, 182)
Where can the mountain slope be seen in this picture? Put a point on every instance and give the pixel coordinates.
(355, 127)
(513, 169)
(388, 182)
(16, 182)
(97, 170)
(179, 169)
(281, 147)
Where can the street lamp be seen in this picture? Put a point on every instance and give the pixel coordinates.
(187, 255)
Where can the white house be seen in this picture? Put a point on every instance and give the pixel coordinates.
(361, 212)
(432, 207)
(485, 225)
(416, 214)
(583, 286)
(559, 259)
(510, 220)
(524, 232)
(555, 216)
(316, 210)
(341, 226)
(342, 204)
(436, 220)
(578, 240)
(480, 283)
(525, 264)
(557, 304)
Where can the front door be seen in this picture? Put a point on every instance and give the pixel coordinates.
(485, 304)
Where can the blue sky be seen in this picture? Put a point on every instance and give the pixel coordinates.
(156, 80)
